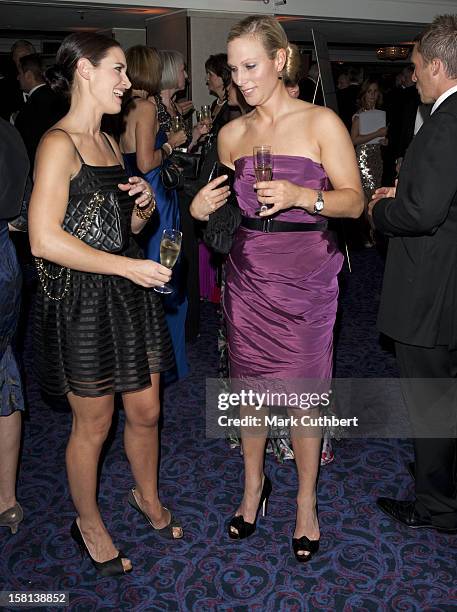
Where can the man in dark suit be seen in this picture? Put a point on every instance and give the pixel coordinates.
(419, 297)
(43, 107)
(11, 98)
(310, 87)
(347, 98)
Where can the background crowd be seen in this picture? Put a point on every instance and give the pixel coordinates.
(156, 139)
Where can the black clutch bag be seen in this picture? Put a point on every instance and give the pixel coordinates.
(188, 162)
(171, 176)
(223, 223)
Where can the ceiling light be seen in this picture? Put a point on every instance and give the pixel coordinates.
(392, 53)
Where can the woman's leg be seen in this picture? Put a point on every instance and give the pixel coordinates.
(307, 451)
(91, 424)
(253, 441)
(141, 440)
(10, 439)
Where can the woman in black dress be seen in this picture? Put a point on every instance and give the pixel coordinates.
(99, 327)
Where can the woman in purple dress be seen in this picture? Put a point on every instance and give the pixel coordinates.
(281, 287)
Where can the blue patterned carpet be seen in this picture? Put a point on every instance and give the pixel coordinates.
(366, 562)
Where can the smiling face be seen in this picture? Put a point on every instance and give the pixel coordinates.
(108, 81)
(252, 70)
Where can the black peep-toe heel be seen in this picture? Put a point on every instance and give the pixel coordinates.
(244, 528)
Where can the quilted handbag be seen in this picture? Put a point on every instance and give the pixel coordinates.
(95, 219)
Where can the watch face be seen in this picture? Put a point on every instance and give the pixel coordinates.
(319, 205)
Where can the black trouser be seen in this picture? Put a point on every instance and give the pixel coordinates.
(432, 406)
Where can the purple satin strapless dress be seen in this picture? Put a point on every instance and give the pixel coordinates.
(281, 293)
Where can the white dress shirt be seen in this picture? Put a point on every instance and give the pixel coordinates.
(443, 97)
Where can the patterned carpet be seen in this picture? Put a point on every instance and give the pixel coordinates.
(366, 562)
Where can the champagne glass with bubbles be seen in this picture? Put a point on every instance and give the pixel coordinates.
(170, 246)
(263, 168)
(206, 115)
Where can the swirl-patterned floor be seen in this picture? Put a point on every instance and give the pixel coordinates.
(366, 562)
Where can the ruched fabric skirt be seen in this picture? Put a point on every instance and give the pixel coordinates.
(106, 335)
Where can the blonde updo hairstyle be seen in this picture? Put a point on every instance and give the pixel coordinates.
(267, 30)
(292, 70)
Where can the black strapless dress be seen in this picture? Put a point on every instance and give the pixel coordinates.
(107, 334)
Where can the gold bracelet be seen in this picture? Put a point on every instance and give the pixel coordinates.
(146, 213)
(167, 148)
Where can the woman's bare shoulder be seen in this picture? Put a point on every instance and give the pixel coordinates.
(234, 131)
(143, 106)
(57, 141)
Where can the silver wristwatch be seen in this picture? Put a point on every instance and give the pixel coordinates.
(318, 204)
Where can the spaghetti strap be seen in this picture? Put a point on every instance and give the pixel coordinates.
(110, 146)
(76, 148)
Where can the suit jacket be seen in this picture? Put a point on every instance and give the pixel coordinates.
(347, 104)
(307, 88)
(403, 119)
(14, 168)
(42, 110)
(419, 294)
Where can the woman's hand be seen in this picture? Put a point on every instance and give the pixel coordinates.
(280, 195)
(381, 132)
(209, 198)
(199, 130)
(176, 139)
(146, 273)
(138, 185)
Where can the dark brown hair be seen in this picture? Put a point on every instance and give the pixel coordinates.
(218, 65)
(32, 63)
(74, 47)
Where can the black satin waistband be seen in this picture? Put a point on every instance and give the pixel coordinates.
(267, 225)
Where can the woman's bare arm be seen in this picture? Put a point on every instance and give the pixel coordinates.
(55, 164)
(338, 159)
(359, 139)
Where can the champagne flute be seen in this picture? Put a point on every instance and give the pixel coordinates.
(263, 168)
(206, 115)
(176, 123)
(170, 246)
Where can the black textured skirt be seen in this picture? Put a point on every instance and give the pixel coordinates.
(106, 335)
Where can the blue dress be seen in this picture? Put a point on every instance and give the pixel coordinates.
(166, 217)
(11, 397)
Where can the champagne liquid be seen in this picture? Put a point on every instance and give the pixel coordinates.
(263, 174)
(169, 252)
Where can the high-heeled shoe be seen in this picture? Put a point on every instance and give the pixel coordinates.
(165, 532)
(12, 517)
(112, 567)
(245, 529)
(304, 545)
